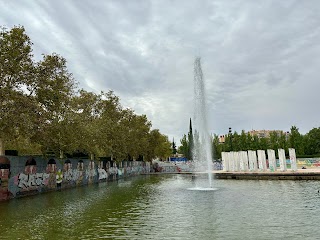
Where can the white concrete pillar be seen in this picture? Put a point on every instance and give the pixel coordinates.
(293, 159)
(244, 160)
(241, 168)
(252, 160)
(225, 161)
(236, 158)
(272, 160)
(231, 162)
(262, 160)
(282, 160)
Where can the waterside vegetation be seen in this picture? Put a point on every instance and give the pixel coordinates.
(42, 111)
(307, 145)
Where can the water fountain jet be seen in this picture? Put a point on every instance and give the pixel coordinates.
(202, 146)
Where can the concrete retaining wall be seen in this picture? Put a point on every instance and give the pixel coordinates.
(25, 176)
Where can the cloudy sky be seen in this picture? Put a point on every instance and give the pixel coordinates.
(260, 59)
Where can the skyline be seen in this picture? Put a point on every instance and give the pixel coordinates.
(259, 59)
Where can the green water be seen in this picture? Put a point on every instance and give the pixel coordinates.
(162, 207)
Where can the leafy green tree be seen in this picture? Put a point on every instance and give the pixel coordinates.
(110, 133)
(243, 141)
(263, 143)
(54, 90)
(174, 148)
(296, 140)
(85, 114)
(274, 140)
(190, 141)
(158, 147)
(184, 147)
(283, 141)
(255, 143)
(136, 134)
(217, 147)
(236, 145)
(40, 108)
(17, 106)
(312, 142)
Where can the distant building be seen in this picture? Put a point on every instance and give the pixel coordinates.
(265, 133)
(259, 133)
(222, 138)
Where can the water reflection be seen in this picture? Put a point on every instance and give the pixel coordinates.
(162, 207)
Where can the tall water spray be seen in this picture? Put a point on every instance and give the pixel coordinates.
(202, 148)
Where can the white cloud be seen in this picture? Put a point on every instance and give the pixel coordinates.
(259, 58)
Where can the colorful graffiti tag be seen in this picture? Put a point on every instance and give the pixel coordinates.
(39, 175)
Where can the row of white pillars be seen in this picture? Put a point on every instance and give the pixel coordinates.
(256, 160)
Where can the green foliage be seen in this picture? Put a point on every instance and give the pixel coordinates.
(305, 145)
(187, 143)
(296, 140)
(217, 147)
(41, 108)
(184, 147)
(174, 147)
(17, 105)
(312, 142)
(159, 146)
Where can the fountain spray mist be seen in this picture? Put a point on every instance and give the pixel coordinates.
(202, 146)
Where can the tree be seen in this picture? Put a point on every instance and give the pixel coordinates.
(108, 131)
(159, 146)
(235, 141)
(283, 141)
(184, 147)
(54, 89)
(243, 141)
(312, 140)
(274, 140)
(263, 143)
(190, 142)
(255, 143)
(17, 106)
(83, 118)
(40, 107)
(174, 148)
(296, 140)
(217, 147)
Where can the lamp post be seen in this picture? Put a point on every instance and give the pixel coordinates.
(230, 135)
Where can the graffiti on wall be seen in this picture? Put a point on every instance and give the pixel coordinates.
(31, 180)
(4, 177)
(102, 174)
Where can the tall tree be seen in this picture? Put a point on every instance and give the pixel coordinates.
(312, 141)
(54, 90)
(296, 140)
(217, 147)
(184, 147)
(17, 106)
(190, 141)
(243, 141)
(158, 147)
(274, 140)
(174, 147)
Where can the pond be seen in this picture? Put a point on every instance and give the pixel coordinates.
(164, 207)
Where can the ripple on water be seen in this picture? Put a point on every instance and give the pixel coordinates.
(171, 207)
(202, 189)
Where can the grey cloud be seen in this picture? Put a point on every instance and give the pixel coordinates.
(259, 58)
